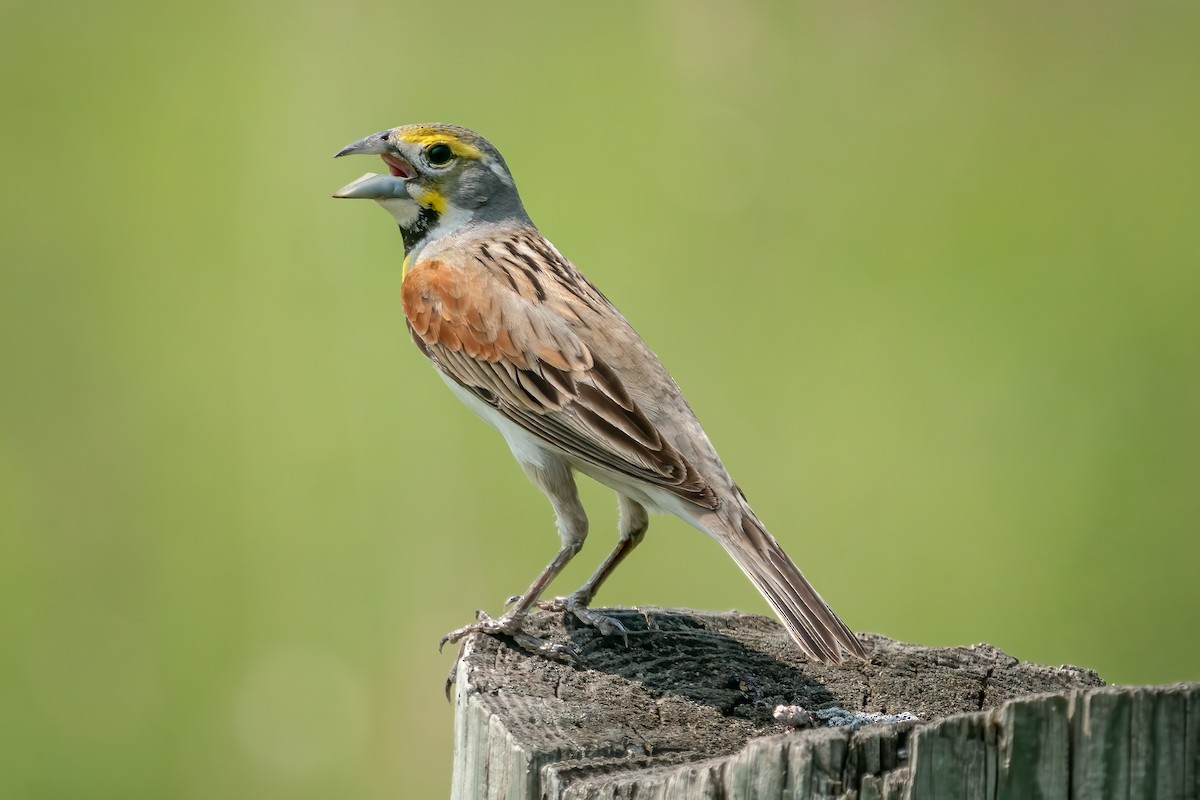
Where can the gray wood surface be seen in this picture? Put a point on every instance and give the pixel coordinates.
(686, 711)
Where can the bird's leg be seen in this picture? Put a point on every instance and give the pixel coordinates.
(555, 479)
(633, 522)
(511, 623)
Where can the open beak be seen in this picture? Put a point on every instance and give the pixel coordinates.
(372, 186)
(374, 145)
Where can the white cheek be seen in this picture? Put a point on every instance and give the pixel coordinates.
(402, 209)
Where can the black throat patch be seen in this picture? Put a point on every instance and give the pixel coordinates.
(415, 233)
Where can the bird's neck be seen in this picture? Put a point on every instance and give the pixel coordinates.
(415, 221)
(415, 230)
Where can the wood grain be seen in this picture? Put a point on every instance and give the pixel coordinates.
(686, 712)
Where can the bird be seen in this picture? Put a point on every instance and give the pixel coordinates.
(532, 347)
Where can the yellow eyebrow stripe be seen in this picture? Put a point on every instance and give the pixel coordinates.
(425, 138)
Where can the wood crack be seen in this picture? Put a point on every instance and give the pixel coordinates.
(686, 712)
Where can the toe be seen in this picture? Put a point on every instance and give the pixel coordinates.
(562, 653)
(608, 626)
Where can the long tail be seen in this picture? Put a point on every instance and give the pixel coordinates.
(809, 619)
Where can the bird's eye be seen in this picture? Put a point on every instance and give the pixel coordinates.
(439, 154)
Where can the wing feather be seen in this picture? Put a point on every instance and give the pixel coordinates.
(518, 352)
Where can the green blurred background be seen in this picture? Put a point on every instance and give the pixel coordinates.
(929, 276)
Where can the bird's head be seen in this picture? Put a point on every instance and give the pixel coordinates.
(440, 177)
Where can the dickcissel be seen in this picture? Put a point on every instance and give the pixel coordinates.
(532, 347)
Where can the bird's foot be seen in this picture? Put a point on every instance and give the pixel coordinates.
(577, 604)
(511, 625)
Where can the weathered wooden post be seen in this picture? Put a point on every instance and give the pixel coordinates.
(693, 709)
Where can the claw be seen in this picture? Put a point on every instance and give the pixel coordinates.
(485, 625)
(562, 653)
(510, 625)
(516, 598)
(452, 675)
(606, 625)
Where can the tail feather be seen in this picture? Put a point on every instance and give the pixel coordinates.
(808, 618)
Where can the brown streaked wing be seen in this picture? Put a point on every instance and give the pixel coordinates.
(494, 334)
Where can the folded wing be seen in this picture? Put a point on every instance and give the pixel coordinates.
(500, 331)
